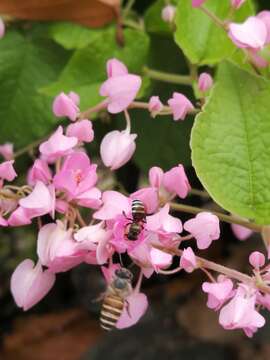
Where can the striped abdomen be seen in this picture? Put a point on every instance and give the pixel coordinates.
(138, 210)
(111, 311)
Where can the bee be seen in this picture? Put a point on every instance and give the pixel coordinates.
(138, 211)
(115, 298)
(134, 231)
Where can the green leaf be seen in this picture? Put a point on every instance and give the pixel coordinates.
(86, 69)
(230, 143)
(25, 65)
(153, 21)
(73, 36)
(202, 41)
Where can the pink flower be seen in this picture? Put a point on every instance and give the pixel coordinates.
(7, 171)
(256, 259)
(241, 232)
(2, 28)
(90, 198)
(155, 105)
(180, 106)
(265, 17)
(236, 4)
(250, 34)
(40, 171)
(66, 105)
(160, 259)
(120, 88)
(117, 148)
(240, 313)
(175, 181)
(141, 255)
(56, 248)
(116, 68)
(76, 176)
(136, 308)
(188, 260)
(6, 150)
(114, 203)
(204, 227)
(163, 222)
(41, 201)
(57, 146)
(168, 13)
(19, 217)
(219, 292)
(156, 176)
(149, 197)
(29, 284)
(205, 82)
(197, 3)
(82, 130)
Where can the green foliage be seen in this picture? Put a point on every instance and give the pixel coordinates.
(25, 65)
(86, 69)
(230, 144)
(202, 41)
(153, 20)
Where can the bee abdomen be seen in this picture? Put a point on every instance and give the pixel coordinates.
(111, 311)
(138, 210)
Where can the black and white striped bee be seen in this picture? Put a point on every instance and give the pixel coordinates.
(115, 298)
(135, 227)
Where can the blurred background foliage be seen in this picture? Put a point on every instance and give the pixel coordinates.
(40, 59)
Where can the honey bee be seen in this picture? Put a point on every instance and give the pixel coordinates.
(138, 217)
(115, 298)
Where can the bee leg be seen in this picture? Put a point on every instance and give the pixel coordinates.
(125, 215)
(128, 308)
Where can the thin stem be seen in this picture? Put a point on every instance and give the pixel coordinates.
(80, 219)
(128, 121)
(29, 147)
(133, 24)
(128, 7)
(208, 274)
(227, 218)
(201, 193)
(170, 272)
(166, 110)
(101, 106)
(213, 16)
(139, 282)
(168, 77)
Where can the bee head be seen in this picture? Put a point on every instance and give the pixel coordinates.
(123, 274)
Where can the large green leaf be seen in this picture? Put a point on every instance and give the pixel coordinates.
(231, 143)
(26, 65)
(202, 41)
(86, 69)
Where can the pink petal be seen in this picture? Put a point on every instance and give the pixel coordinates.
(155, 105)
(116, 68)
(19, 217)
(188, 260)
(256, 259)
(180, 106)
(241, 232)
(6, 150)
(156, 176)
(176, 181)
(64, 105)
(137, 306)
(7, 171)
(39, 171)
(197, 3)
(114, 203)
(205, 82)
(160, 259)
(82, 130)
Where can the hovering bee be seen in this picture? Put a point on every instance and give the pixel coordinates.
(138, 217)
(115, 298)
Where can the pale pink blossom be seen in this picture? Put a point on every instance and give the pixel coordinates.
(77, 175)
(116, 68)
(40, 171)
(265, 17)
(90, 198)
(205, 82)
(7, 171)
(175, 181)
(114, 203)
(6, 150)
(149, 197)
(240, 313)
(155, 105)
(39, 202)
(160, 259)
(120, 88)
(236, 4)
(82, 130)
(117, 148)
(241, 232)
(141, 255)
(19, 217)
(197, 3)
(250, 34)
(219, 292)
(180, 106)
(205, 228)
(2, 28)
(256, 259)
(168, 13)
(29, 284)
(135, 308)
(155, 176)
(56, 248)
(61, 206)
(188, 260)
(66, 105)
(57, 145)
(162, 222)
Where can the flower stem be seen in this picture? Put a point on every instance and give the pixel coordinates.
(29, 147)
(227, 218)
(87, 113)
(168, 77)
(128, 121)
(213, 16)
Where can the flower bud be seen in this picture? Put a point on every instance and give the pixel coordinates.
(205, 82)
(180, 106)
(65, 105)
(168, 13)
(236, 4)
(197, 3)
(155, 105)
(117, 148)
(256, 259)
(188, 260)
